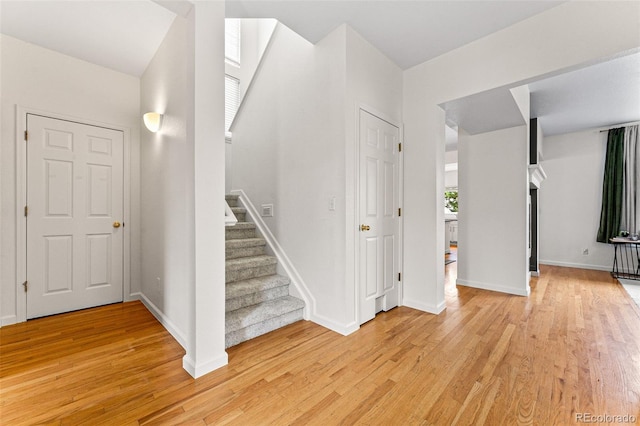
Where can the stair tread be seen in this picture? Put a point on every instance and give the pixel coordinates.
(244, 242)
(250, 262)
(254, 285)
(243, 225)
(238, 209)
(245, 317)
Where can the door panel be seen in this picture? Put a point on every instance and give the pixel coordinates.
(379, 202)
(58, 263)
(74, 195)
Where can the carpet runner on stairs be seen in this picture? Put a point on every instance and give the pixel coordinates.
(257, 298)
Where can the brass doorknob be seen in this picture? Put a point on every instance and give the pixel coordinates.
(365, 227)
(116, 224)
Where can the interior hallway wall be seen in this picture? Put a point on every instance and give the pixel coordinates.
(571, 199)
(493, 191)
(39, 78)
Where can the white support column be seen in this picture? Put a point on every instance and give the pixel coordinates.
(206, 350)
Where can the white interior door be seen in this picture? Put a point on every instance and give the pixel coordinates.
(379, 215)
(75, 206)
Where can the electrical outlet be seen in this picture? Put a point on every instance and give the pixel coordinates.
(585, 252)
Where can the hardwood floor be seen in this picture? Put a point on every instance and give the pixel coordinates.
(572, 347)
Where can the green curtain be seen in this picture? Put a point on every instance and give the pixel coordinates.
(612, 187)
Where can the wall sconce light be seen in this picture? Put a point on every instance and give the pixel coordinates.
(152, 121)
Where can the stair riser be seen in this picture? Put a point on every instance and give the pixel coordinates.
(245, 274)
(244, 252)
(234, 234)
(242, 217)
(232, 201)
(255, 298)
(259, 329)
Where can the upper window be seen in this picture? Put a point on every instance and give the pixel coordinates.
(231, 100)
(232, 40)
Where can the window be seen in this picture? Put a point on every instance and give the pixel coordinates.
(231, 100)
(232, 41)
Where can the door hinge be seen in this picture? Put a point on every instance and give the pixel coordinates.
(399, 147)
(399, 276)
(26, 286)
(26, 135)
(399, 212)
(26, 210)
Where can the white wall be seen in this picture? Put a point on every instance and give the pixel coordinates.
(38, 78)
(374, 83)
(288, 150)
(451, 176)
(294, 147)
(492, 222)
(255, 37)
(571, 199)
(166, 179)
(182, 182)
(567, 36)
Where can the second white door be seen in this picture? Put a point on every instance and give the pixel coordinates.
(379, 215)
(75, 210)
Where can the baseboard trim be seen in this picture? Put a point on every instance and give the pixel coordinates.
(8, 320)
(344, 329)
(576, 265)
(493, 287)
(300, 288)
(425, 307)
(201, 369)
(166, 323)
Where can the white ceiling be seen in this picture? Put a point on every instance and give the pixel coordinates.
(120, 35)
(408, 32)
(602, 95)
(124, 36)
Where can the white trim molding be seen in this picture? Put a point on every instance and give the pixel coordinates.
(21, 201)
(429, 308)
(493, 287)
(230, 219)
(205, 367)
(606, 268)
(8, 320)
(352, 269)
(162, 319)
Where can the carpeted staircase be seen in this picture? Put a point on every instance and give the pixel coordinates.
(257, 299)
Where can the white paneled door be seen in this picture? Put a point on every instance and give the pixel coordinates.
(74, 216)
(379, 215)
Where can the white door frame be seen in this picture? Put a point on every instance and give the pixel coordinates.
(21, 201)
(356, 225)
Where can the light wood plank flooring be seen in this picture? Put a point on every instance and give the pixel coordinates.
(572, 347)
